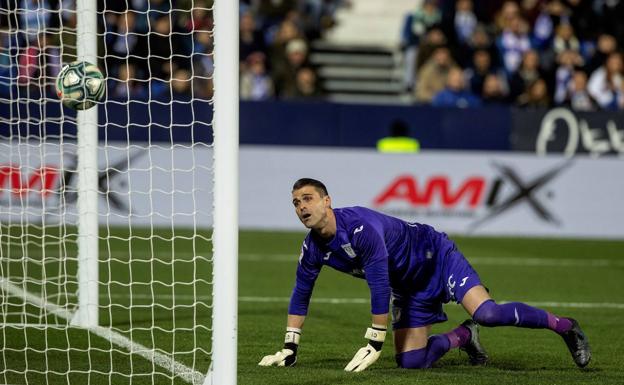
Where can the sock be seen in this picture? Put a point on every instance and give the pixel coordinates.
(437, 346)
(511, 314)
(558, 324)
(458, 337)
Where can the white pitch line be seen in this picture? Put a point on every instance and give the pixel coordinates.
(341, 301)
(528, 261)
(482, 261)
(177, 369)
(336, 301)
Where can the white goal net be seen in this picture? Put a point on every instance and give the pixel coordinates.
(106, 215)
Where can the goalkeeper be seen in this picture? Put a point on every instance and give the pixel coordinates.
(415, 268)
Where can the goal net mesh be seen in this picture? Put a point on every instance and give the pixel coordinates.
(154, 175)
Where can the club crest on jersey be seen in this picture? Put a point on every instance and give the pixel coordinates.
(349, 250)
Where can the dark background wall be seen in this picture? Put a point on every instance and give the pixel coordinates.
(331, 124)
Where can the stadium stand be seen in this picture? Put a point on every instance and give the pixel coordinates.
(538, 53)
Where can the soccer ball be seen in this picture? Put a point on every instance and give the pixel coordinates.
(80, 85)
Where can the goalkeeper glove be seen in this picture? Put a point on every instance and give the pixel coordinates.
(288, 355)
(367, 355)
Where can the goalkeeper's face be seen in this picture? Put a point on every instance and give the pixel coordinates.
(312, 207)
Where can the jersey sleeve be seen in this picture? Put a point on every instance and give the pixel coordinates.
(307, 272)
(371, 246)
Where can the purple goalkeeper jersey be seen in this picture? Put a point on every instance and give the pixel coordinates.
(391, 254)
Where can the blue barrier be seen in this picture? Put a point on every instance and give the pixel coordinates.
(159, 121)
(357, 125)
(274, 123)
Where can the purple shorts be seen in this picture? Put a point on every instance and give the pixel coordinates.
(450, 281)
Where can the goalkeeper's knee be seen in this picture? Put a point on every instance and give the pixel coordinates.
(423, 358)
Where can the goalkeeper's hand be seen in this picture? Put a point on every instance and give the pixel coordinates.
(367, 355)
(288, 355)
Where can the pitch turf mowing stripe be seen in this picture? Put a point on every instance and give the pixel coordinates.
(177, 369)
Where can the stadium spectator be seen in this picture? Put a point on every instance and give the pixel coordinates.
(67, 34)
(527, 74)
(125, 85)
(285, 74)
(272, 12)
(200, 19)
(465, 21)
(255, 82)
(583, 19)
(306, 85)
(181, 84)
(509, 11)
(565, 40)
(121, 42)
(287, 31)
(159, 48)
(319, 16)
(39, 63)
(568, 61)
(415, 26)
(6, 61)
(455, 93)
(513, 43)
(480, 40)
(552, 14)
(480, 68)
(433, 74)
(35, 16)
(611, 15)
(605, 83)
(494, 90)
(605, 46)
(578, 97)
(535, 96)
(250, 38)
(417, 23)
(434, 38)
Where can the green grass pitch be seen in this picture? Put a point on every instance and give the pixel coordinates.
(579, 278)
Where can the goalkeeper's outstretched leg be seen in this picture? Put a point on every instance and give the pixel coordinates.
(485, 311)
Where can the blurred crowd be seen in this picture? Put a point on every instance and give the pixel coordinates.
(532, 53)
(274, 47)
(157, 49)
(463, 53)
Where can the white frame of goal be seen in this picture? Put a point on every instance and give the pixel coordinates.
(223, 366)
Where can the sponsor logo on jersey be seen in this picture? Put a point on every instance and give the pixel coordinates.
(349, 250)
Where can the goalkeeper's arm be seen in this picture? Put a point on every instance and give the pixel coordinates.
(288, 355)
(367, 355)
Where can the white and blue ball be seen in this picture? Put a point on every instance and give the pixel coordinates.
(80, 85)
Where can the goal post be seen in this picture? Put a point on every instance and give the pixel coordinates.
(87, 139)
(119, 223)
(225, 236)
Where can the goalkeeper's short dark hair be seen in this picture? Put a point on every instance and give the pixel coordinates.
(317, 184)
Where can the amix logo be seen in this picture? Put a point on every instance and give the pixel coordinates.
(495, 195)
(42, 180)
(49, 185)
